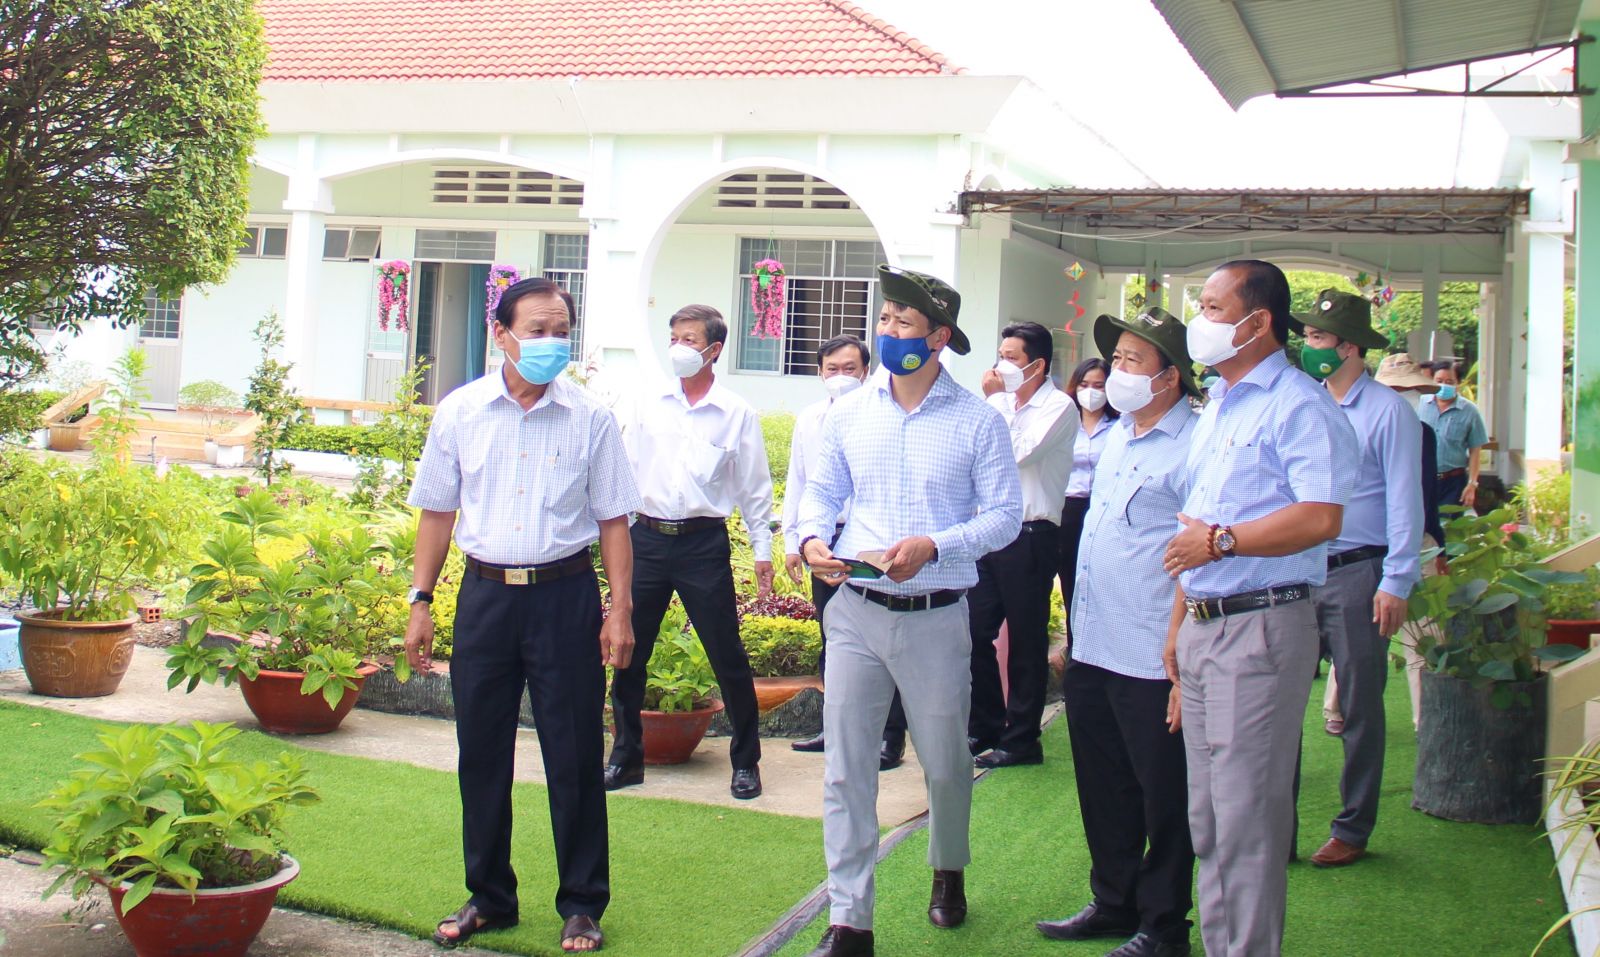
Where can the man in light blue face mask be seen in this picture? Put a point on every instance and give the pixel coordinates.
(1461, 432)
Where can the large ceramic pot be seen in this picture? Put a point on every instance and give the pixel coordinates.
(671, 737)
(65, 436)
(774, 692)
(74, 659)
(219, 922)
(1478, 762)
(1574, 632)
(274, 698)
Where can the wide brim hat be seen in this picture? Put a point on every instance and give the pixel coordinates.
(1344, 314)
(929, 295)
(1158, 327)
(1400, 371)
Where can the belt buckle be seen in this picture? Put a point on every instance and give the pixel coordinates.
(1197, 609)
(669, 528)
(517, 576)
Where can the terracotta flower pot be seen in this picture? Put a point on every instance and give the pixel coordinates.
(65, 437)
(274, 698)
(670, 738)
(74, 659)
(1574, 632)
(772, 692)
(219, 922)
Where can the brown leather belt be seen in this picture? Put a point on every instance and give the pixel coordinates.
(682, 526)
(531, 574)
(935, 599)
(1451, 473)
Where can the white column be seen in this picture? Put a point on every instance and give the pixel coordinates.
(1430, 303)
(1547, 224)
(1491, 362)
(309, 201)
(1515, 396)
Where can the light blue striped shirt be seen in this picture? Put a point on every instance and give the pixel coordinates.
(1271, 440)
(1460, 429)
(1385, 506)
(1122, 603)
(944, 470)
(531, 486)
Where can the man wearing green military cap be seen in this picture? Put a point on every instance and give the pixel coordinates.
(1129, 763)
(1376, 559)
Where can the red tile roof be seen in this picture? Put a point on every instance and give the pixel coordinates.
(321, 40)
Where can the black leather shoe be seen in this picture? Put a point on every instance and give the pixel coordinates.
(1144, 945)
(618, 776)
(746, 784)
(948, 906)
(1092, 921)
(808, 745)
(891, 754)
(841, 941)
(978, 745)
(999, 758)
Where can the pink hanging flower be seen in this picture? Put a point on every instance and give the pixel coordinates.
(767, 299)
(394, 290)
(501, 278)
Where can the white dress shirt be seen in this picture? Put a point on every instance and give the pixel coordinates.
(1086, 449)
(531, 486)
(1042, 435)
(700, 461)
(805, 454)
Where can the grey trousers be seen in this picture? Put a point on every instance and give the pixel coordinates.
(1361, 660)
(1246, 679)
(871, 650)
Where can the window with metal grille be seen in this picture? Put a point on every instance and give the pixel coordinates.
(777, 189)
(161, 318)
(503, 186)
(351, 245)
(264, 242)
(566, 262)
(461, 245)
(831, 288)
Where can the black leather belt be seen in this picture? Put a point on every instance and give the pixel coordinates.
(531, 574)
(1356, 555)
(1040, 525)
(934, 599)
(682, 526)
(1205, 609)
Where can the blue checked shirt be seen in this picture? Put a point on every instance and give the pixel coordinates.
(1122, 603)
(944, 470)
(1460, 430)
(1271, 440)
(531, 486)
(1385, 506)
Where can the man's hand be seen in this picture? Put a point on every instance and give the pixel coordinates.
(1190, 548)
(419, 637)
(819, 556)
(907, 556)
(795, 566)
(991, 383)
(1441, 564)
(1169, 658)
(616, 638)
(1175, 710)
(1469, 495)
(1389, 612)
(763, 579)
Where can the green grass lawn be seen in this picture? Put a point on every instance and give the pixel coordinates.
(385, 846)
(1428, 887)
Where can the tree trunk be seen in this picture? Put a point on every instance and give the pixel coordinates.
(1476, 762)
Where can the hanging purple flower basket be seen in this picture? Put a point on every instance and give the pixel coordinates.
(766, 299)
(394, 291)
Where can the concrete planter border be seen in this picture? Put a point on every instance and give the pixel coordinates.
(1580, 871)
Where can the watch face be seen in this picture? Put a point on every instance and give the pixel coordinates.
(1225, 542)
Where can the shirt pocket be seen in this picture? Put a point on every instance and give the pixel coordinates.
(1242, 463)
(703, 460)
(1122, 498)
(566, 484)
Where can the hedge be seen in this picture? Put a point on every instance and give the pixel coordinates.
(343, 439)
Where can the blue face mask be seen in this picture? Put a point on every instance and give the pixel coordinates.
(903, 356)
(540, 360)
(1447, 393)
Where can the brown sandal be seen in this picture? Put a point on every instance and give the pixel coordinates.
(469, 921)
(581, 926)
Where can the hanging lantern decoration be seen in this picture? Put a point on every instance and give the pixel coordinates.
(1387, 294)
(1074, 271)
(394, 294)
(501, 278)
(1137, 300)
(767, 299)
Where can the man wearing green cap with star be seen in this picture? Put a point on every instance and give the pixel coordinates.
(1376, 559)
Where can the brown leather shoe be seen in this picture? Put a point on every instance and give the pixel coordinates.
(948, 907)
(1337, 853)
(841, 941)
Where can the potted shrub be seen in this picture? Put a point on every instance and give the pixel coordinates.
(76, 543)
(187, 840)
(1572, 610)
(678, 693)
(214, 402)
(783, 656)
(1481, 732)
(302, 615)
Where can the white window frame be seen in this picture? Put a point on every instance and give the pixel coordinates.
(737, 330)
(255, 245)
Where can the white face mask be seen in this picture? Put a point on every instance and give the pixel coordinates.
(1129, 392)
(1211, 342)
(840, 385)
(1012, 377)
(686, 360)
(1091, 399)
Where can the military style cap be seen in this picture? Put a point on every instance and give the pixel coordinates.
(1344, 314)
(1400, 371)
(929, 295)
(1158, 327)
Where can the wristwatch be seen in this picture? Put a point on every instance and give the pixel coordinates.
(1225, 542)
(416, 594)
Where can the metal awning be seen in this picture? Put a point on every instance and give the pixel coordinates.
(1252, 47)
(1201, 211)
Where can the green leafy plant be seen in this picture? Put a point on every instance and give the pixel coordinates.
(679, 676)
(121, 410)
(355, 440)
(212, 399)
(1574, 788)
(320, 610)
(271, 398)
(1545, 502)
(1574, 601)
(780, 647)
(168, 807)
(384, 478)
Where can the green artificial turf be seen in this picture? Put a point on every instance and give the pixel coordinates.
(1427, 887)
(385, 846)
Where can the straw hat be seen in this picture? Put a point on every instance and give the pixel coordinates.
(1400, 371)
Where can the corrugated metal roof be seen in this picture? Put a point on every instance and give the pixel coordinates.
(1398, 211)
(1252, 47)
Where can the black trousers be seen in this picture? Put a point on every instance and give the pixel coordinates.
(545, 637)
(1013, 587)
(1072, 515)
(1133, 794)
(894, 729)
(696, 566)
(1450, 490)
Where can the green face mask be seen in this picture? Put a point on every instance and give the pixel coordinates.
(1320, 363)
